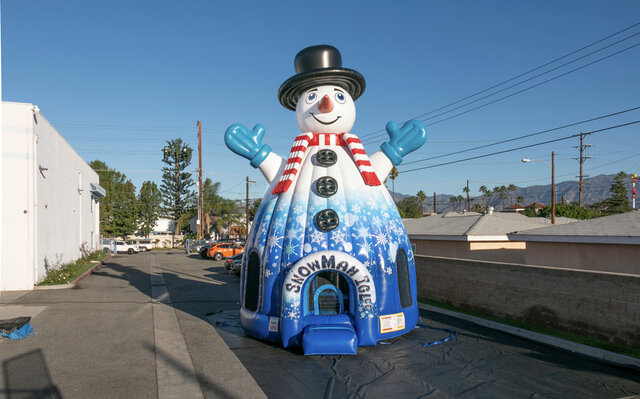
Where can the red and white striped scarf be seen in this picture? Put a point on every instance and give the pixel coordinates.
(304, 141)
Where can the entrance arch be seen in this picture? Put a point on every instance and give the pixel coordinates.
(362, 303)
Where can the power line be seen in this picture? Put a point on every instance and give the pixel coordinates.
(523, 74)
(526, 135)
(529, 88)
(519, 148)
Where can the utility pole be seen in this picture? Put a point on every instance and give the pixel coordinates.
(468, 199)
(247, 208)
(553, 188)
(200, 213)
(581, 160)
(434, 203)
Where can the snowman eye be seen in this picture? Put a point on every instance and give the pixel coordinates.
(311, 97)
(340, 98)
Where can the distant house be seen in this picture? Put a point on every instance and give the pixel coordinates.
(50, 199)
(514, 208)
(608, 244)
(536, 206)
(163, 226)
(472, 235)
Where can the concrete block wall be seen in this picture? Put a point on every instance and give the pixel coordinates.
(596, 304)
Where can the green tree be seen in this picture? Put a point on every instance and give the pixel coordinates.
(254, 209)
(393, 175)
(148, 210)
(573, 211)
(512, 189)
(503, 195)
(618, 201)
(422, 197)
(483, 190)
(521, 199)
(118, 207)
(410, 208)
(453, 200)
(177, 195)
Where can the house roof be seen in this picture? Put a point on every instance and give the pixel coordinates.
(623, 228)
(515, 206)
(535, 205)
(472, 226)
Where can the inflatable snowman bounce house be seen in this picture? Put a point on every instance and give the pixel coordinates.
(328, 265)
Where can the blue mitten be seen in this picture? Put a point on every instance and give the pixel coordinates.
(247, 143)
(411, 136)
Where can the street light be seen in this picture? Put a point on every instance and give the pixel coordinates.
(553, 183)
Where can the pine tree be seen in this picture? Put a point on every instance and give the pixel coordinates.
(618, 201)
(149, 200)
(176, 182)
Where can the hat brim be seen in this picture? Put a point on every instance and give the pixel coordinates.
(291, 90)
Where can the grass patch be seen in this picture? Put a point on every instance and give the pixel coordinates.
(66, 273)
(580, 339)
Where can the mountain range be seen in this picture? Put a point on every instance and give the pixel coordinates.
(595, 190)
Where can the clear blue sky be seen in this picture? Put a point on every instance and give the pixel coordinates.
(119, 78)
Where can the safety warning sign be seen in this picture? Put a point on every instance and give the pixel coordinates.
(391, 322)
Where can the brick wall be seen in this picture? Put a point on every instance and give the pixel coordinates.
(596, 304)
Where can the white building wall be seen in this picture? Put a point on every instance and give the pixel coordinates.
(47, 199)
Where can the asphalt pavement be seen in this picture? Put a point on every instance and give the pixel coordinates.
(165, 325)
(135, 328)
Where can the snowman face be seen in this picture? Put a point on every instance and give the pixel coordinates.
(326, 109)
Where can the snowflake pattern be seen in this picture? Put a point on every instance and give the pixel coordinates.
(370, 230)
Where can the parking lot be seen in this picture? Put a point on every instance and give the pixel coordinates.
(163, 324)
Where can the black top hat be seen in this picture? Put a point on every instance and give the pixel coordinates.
(315, 66)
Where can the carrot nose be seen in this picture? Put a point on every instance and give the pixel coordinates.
(325, 105)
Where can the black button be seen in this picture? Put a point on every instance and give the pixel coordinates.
(326, 186)
(326, 157)
(327, 220)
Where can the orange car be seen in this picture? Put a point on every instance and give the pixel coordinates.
(224, 250)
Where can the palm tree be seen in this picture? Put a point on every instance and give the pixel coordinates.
(460, 200)
(453, 199)
(483, 190)
(503, 195)
(393, 174)
(512, 188)
(521, 199)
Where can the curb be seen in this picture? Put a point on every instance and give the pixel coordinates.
(75, 282)
(569, 346)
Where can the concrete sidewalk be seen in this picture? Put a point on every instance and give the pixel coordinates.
(135, 328)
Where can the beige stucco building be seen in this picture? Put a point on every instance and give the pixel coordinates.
(607, 244)
(472, 235)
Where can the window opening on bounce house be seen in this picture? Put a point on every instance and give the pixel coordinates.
(252, 283)
(328, 293)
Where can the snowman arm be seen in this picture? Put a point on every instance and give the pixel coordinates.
(381, 165)
(270, 166)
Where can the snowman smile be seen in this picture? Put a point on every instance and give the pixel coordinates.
(325, 123)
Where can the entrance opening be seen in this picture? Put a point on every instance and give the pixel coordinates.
(327, 294)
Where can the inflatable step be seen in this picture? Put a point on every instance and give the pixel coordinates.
(329, 339)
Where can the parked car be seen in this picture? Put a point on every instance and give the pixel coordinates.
(224, 250)
(234, 263)
(204, 250)
(144, 244)
(122, 246)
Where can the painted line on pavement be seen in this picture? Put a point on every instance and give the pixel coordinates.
(175, 373)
